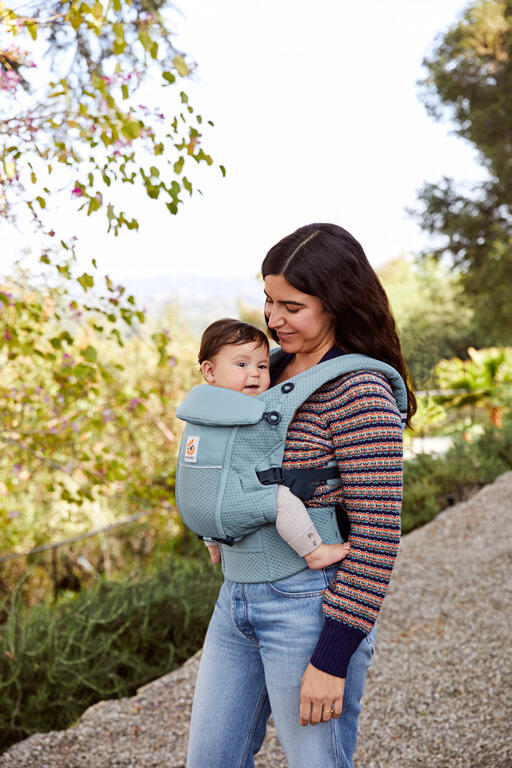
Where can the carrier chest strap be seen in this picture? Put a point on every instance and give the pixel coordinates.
(299, 481)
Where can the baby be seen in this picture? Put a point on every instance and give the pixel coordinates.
(235, 355)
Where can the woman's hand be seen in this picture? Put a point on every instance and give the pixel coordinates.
(319, 694)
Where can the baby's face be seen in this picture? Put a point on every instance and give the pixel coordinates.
(243, 367)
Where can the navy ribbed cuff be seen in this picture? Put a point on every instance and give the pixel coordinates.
(335, 647)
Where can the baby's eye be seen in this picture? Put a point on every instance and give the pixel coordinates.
(263, 366)
(241, 364)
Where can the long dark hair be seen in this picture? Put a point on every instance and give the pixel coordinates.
(324, 260)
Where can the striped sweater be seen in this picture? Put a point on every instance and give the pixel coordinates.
(354, 420)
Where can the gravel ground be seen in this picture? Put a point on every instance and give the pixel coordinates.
(439, 691)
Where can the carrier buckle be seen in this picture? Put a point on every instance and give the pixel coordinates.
(229, 540)
(270, 476)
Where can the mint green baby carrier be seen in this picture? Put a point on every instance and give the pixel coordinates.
(229, 466)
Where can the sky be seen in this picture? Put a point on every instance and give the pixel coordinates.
(317, 118)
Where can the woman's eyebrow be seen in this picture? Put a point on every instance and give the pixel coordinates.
(286, 301)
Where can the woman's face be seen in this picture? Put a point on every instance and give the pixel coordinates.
(300, 320)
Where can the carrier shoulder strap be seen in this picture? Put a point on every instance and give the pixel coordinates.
(216, 406)
(286, 397)
(304, 384)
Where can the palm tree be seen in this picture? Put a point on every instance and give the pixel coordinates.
(484, 379)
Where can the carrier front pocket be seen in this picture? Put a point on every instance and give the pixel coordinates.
(197, 489)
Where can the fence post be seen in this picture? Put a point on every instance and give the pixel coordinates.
(55, 573)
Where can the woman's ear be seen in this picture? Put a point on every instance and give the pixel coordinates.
(208, 371)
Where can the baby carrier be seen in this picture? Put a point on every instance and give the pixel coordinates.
(229, 465)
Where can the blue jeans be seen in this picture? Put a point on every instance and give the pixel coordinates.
(258, 645)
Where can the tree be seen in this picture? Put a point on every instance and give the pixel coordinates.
(431, 319)
(80, 126)
(484, 379)
(86, 116)
(469, 76)
(83, 436)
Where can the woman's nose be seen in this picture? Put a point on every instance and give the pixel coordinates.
(275, 317)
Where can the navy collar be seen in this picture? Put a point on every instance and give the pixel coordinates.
(277, 369)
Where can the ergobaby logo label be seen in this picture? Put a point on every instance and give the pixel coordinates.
(191, 449)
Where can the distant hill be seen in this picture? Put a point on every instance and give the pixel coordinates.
(200, 299)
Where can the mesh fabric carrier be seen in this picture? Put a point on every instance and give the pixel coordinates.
(229, 465)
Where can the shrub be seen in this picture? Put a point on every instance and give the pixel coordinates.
(432, 483)
(55, 661)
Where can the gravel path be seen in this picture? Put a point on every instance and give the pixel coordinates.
(439, 691)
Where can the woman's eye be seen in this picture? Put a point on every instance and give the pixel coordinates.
(291, 310)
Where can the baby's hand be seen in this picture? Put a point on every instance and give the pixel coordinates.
(327, 554)
(214, 551)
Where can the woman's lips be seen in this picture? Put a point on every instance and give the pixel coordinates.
(284, 335)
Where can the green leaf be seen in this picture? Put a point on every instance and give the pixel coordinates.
(86, 281)
(90, 354)
(41, 201)
(169, 77)
(154, 171)
(131, 129)
(178, 165)
(145, 39)
(119, 39)
(124, 91)
(94, 205)
(181, 66)
(32, 29)
(222, 170)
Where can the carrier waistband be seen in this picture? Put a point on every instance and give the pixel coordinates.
(299, 481)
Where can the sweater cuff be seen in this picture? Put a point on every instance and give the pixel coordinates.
(335, 647)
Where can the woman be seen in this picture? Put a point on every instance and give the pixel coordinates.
(300, 647)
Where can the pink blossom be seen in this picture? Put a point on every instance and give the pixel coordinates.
(77, 192)
(7, 335)
(52, 233)
(13, 515)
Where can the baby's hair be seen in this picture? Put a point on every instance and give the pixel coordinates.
(228, 331)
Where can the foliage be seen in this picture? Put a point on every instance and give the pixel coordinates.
(81, 125)
(85, 439)
(469, 75)
(57, 661)
(431, 483)
(431, 320)
(484, 380)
